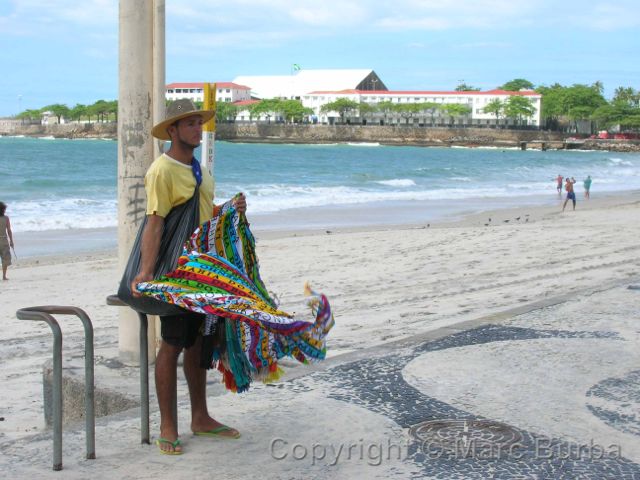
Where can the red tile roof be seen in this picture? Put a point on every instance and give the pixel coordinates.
(245, 102)
(200, 85)
(424, 92)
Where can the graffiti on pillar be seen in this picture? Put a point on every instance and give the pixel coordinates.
(136, 204)
(132, 151)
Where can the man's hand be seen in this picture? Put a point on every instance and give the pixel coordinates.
(141, 277)
(240, 202)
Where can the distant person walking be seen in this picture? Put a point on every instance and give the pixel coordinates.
(6, 240)
(587, 186)
(559, 184)
(571, 195)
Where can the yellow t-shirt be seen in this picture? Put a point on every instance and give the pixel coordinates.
(169, 183)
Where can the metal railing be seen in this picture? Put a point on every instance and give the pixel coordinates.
(144, 369)
(45, 314)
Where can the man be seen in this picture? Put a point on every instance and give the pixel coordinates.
(571, 195)
(559, 184)
(170, 181)
(587, 186)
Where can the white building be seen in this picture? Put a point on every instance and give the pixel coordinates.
(50, 118)
(476, 101)
(225, 92)
(315, 88)
(304, 81)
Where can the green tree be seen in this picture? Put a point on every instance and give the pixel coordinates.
(58, 109)
(581, 101)
(495, 107)
(267, 107)
(455, 110)
(226, 112)
(100, 109)
(294, 111)
(367, 109)
(30, 115)
(570, 104)
(92, 111)
(78, 111)
(112, 110)
(516, 85)
(408, 110)
(598, 86)
(343, 106)
(618, 113)
(627, 95)
(552, 104)
(386, 107)
(463, 87)
(431, 108)
(518, 108)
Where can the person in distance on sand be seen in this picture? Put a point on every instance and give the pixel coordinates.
(6, 240)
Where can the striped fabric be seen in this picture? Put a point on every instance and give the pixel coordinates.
(218, 275)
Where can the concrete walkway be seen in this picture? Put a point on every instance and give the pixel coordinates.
(550, 390)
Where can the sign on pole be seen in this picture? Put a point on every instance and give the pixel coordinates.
(209, 128)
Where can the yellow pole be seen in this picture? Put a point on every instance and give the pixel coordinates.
(209, 129)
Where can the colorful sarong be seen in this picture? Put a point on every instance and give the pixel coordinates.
(218, 275)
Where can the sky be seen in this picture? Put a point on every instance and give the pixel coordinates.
(65, 51)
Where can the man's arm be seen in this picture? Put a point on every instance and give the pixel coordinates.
(149, 251)
(9, 232)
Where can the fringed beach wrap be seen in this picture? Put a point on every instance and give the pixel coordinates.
(218, 275)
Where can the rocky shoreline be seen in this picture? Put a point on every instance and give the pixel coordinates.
(384, 135)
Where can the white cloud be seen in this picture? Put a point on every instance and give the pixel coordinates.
(609, 16)
(270, 23)
(40, 18)
(473, 45)
(199, 44)
(43, 18)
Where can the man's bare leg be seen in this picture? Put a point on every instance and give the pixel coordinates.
(197, 382)
(166, 370)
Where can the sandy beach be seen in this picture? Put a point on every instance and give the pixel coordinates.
(385, 283)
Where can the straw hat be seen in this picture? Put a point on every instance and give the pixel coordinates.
(178, 110)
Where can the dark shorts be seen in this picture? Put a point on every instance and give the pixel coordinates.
(181, 330)
(571, 196)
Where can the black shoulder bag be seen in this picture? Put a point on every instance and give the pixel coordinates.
(179, 224)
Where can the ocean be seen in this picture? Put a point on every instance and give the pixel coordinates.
(59, 184)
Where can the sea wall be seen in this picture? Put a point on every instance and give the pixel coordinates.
(393, 135)
(388, 135)
(66, 130)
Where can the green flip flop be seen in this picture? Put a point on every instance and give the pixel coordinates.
(161, 441)
(217, 432)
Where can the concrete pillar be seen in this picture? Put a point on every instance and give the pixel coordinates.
(159, 108)
(158, 91)
(137, 101)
